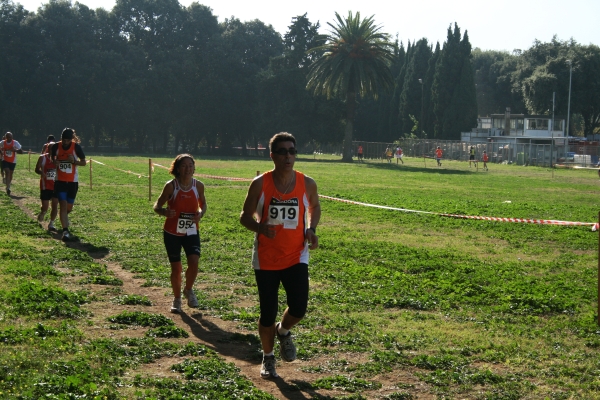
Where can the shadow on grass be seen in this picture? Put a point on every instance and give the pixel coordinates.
(75, 243)
(225, 343)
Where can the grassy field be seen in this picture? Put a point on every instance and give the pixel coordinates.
(402, 306)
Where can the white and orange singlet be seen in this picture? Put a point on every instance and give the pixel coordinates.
(10, 150)
(289, 213)
(66, 171)
(186, 204)
(48, 173)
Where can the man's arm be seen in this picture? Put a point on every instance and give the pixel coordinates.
(38, 166)
(247, 215)
(80, 155)
(314, 213)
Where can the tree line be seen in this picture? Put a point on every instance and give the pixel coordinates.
(152, 75)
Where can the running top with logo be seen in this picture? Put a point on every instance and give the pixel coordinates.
(66, 171)
(10, 150)
(438, 153)
(288, 212)
(186, 205)
(48, 173)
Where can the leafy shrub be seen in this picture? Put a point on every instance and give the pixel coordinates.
(141, 319)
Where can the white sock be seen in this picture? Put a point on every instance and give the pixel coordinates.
(272, 353)
(281, 330)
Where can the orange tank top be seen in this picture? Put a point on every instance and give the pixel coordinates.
(48, 173)
(186, 205)
(289, 215)
(10, 155)
(66, 172)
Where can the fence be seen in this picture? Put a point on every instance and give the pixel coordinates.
(544, 155)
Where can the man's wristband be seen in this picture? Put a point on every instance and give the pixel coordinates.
(313, 229)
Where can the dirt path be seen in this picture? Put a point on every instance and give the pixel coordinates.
(293, 384)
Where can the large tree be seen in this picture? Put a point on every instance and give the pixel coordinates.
(355, 61)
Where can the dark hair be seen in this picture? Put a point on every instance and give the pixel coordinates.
(173, 169)
(69, 133)
(50, 138)
(281, 137)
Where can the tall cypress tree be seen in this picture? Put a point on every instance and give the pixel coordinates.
(447, 83)
(428, 114)
(410, 98)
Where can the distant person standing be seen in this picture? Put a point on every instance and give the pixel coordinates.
(282, 208)
(10, 148)
(388, 155)
(67, 155)
(1, 166)
(186, 205)
(398, 155)
(485, 159)
(472, 156)
(47, 171)
(360, 153)
(438, 156)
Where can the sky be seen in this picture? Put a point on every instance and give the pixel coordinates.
(505, 25)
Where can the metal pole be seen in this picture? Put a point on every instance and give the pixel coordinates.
(599, 268)
(421, 121)
(91, 162)
(29, 167)
(149, 179)
(569, 102)
(552, 131)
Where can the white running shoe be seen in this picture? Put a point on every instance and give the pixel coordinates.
(287, 348)
(267, 369)
(176, 306)
(192, 301)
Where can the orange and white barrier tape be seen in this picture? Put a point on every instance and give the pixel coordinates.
(122, 170)
(223, 178)
(594, 225)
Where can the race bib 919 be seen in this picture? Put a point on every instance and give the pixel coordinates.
(186, 224)
(284, 212)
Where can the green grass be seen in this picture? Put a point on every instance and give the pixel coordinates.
(465, 308)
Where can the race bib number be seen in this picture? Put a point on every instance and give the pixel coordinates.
(186, 224)
(284, 212)
(65, 167)
(51, 174)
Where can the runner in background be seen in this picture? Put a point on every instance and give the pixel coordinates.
(360, 153)
(46, 147)
(186, 205)
(398, 155)
(438, 156)
(67, 155)
(47, 171)
(472, 156)
(485, 159)
(10, 148)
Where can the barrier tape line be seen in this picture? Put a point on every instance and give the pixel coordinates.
(223, 178)
(594, 225)
(122, 170)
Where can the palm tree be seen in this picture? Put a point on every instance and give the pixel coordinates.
(355, 60)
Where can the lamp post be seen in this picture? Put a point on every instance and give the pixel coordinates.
(421, 120)
(569, 102)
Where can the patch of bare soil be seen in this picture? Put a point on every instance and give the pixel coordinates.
(214, 333)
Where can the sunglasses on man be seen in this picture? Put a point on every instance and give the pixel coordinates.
(283, 151)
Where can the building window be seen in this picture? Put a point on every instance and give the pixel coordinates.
(537, 124)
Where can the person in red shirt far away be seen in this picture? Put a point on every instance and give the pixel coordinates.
(438, 156)
(485, 159)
